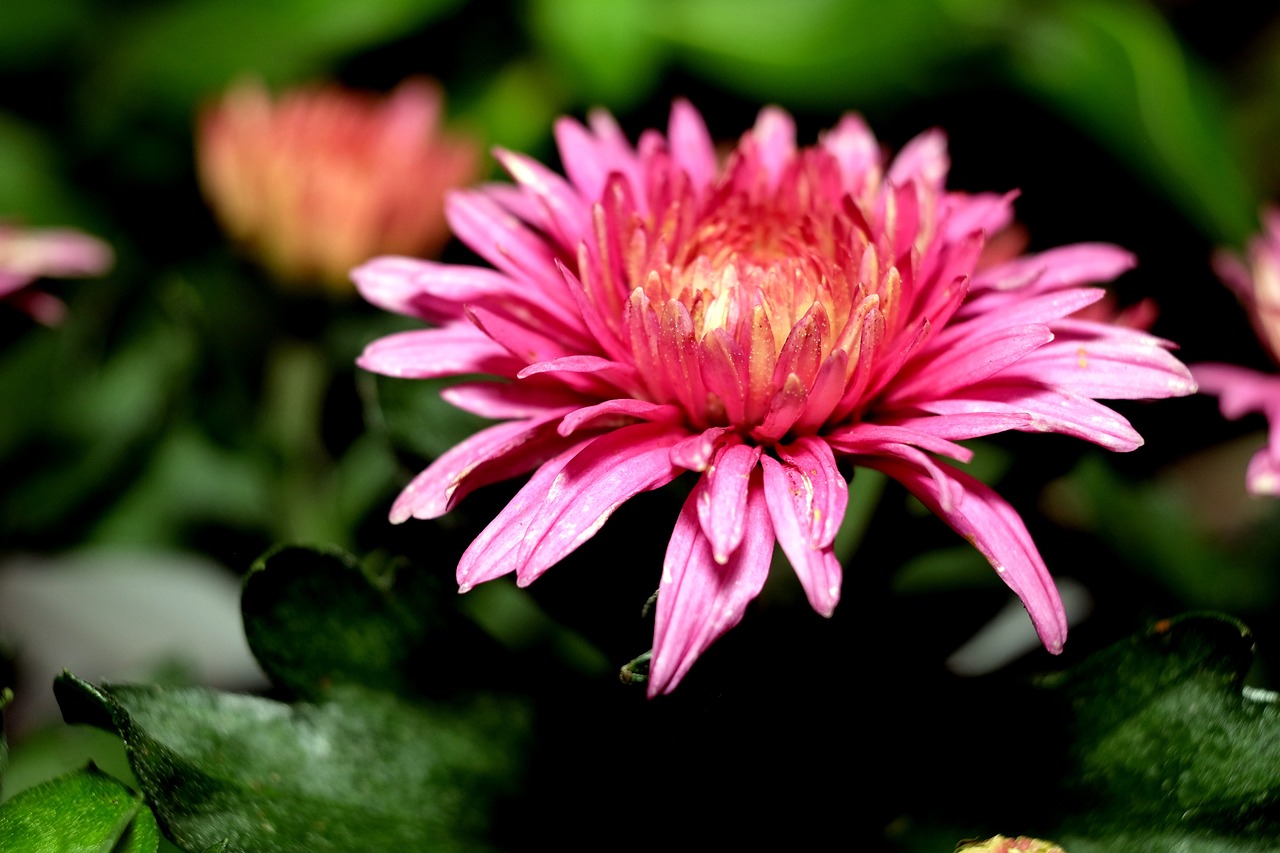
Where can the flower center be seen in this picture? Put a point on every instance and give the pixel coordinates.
(761, 279)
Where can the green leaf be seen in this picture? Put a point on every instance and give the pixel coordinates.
(1118, 69)
(362, 771)
(165, 57)
(86, 810)
(6, 696)
(1169, 751)
(316, 620)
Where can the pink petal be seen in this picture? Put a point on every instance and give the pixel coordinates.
(775, 133)
(940, 372)
(992, 526)
(1048, 410)
(509, 400)
(1238, 389)
(431, 353)
(568, 215)
(491, 554)
(694, 453)
(924, 161)
(505, 241)
(1127, 365)
(605, 474)
(927, 433)
(691, 145)
(856, 150)
(495, 453)
(700, 599)
(1263, 475)
(1065, 266)
(567, 508)
(625, 409)
(807, 497)
(722, 506)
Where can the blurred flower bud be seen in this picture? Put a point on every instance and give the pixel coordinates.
(1000, 844)
(1256, 279)
(325, 178)
(30, 254)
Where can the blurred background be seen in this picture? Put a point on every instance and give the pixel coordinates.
(199, 402)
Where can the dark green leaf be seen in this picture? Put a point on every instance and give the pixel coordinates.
(1118, 69)
(363, 771)
(6, 696)
(1166, 742)
(168, 56)
(316, 620)
(82, 811)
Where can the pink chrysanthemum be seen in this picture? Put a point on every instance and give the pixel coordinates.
(27, 255)
(1241, 391)
(753, 322)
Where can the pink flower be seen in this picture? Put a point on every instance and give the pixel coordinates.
(30, 254)
(1241, 391)
(754, 322)
(326, 178)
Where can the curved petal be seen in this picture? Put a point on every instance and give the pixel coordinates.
(807, 497)
(722, 506)
(1035, 408)
(992, 526)
(1239, 390)
(496, 453)
(569, 505)
(700, 599)
(432, 353)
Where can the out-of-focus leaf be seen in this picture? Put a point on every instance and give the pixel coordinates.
(57, 749)
(362, 771)
(1148, 746)
(317, 621)
(33, 31)
(85, 811)
(1119, 70)
(1154, 530)
(124, 614)
(418, 420)
(608, 51)
(1169, 752)
(6, 696)
(518, 106)
(32, 189)
(167, 56)
(837, 54)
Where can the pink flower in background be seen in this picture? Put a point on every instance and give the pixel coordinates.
(1241, 391)
(30, 254)
(326, 178)
(754, 322)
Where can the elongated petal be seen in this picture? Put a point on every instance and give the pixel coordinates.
(430, 353)
(700, 599)
(496, 453)
(1118, 368)
(510, 400)
(573, 502)
(1238, 389)
(1046, 410)
(993, 527)
(722, 506)
(807, 497)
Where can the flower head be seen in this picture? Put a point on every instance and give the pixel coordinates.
(754, 322)
(30, 254)
(325, 178)
(1241, 391)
